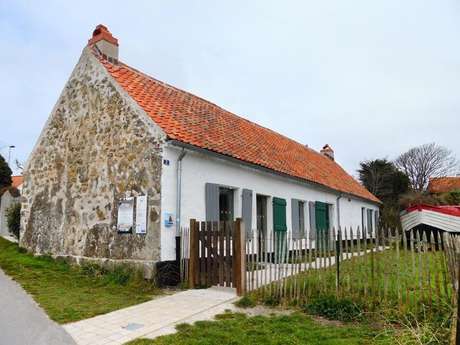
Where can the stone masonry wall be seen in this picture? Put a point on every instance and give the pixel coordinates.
(97, 147)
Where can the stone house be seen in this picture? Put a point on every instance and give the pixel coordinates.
(125, 160)
(9, 196)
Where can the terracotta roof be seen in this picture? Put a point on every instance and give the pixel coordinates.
(195, 121)
(13, 189)
(17, 181)
(444, 184)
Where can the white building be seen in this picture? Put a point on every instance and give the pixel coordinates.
(117, 133)
(8, 197)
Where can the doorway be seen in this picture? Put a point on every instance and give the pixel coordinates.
(225, 204)
(261, 215)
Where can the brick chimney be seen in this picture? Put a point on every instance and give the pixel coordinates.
(328, 151)
(105, 43)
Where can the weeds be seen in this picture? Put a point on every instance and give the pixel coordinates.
(335, 309)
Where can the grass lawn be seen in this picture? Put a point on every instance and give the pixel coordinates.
(236, 329)
(69, 293)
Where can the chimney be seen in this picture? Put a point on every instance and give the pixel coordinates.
(328, 151)
(105, 43)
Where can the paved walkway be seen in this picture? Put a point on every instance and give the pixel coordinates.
(153, 318)
(23, 322)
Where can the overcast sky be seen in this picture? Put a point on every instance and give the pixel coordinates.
(370, 78)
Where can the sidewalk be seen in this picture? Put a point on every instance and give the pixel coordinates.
(23, 322)
(153, 318)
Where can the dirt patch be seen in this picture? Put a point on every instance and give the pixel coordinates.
(325, 322)
(262, 310)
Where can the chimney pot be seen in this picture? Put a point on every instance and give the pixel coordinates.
(103, 40)
(327, 151)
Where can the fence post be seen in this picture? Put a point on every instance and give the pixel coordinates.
(239, 257)
(337, 259)
(194, 253)
(457, 336)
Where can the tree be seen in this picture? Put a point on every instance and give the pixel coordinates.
(423, 162)
(5, 173)
(383, 179)
(13, 219)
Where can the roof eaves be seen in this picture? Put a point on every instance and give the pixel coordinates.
(191, 147)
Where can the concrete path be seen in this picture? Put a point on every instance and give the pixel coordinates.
(153, 318)
(23, 322)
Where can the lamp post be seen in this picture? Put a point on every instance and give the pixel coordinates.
(9, 153)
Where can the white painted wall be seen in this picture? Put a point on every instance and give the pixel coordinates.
(6, 200)
(199, 169)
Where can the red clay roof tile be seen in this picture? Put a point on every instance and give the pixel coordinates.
(444, 184)
(195, 121)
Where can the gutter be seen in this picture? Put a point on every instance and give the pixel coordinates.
(179, 189)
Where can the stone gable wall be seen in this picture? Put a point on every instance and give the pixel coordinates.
(97, 147)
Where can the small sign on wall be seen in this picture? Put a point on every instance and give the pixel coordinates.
(169, 220)
(125, 215)
(141, 214)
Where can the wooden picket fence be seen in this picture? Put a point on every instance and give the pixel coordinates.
(385, 267)
(415, 271)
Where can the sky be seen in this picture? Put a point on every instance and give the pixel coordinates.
(370, 78)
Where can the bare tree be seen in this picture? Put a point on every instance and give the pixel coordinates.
(423, 162)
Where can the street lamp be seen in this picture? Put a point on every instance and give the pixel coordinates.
(9, 153)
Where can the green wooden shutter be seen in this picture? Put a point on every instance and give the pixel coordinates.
(322, 216)
(312, 214)
(279, 214)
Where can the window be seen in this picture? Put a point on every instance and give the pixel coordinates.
(225, 204)
(369, 221)
(363, 219)
(261, 204)
(279, 214)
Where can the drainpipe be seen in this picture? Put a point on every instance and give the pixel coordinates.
(338, 210)
(179, 187)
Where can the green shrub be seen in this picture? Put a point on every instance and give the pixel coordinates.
(335, 309)
(246, 302)
(13, 219)
(119, 275)
(271, 301)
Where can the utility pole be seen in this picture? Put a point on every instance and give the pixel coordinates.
(9, 154)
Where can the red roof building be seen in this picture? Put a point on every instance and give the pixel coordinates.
(125, 161)
(444, 184)
(192, 120)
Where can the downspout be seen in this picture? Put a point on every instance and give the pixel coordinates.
(338, 210)
(179, 189)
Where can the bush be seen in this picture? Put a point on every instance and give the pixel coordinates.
(246, 302)
(335, 309)
(13, 219)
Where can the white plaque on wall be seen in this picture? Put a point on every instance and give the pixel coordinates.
(125, 217)
(141, 214)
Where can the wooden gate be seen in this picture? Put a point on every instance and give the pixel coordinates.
(217, 254)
